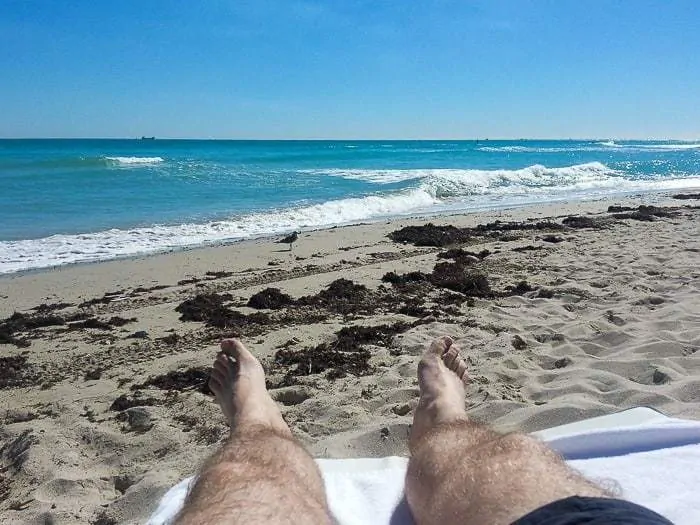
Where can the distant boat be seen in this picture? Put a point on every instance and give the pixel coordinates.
(147, 138)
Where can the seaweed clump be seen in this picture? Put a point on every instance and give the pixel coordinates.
(342, 296)
(194, 378)
(521, 288)
(202, 307)
(346, 355)
(687, 196)
(26, 324)
(528, 248)
(351, 337)
(211, 310)
(123, 402)
(271, 299)
(450, 275)
(463, 256)
(577, 221)
(321, 358)
(499, 226)
(453, 276)
(16, 372)
(646, 214)
(430, 235)
(405, 279)
(19, 323)
(439, 236)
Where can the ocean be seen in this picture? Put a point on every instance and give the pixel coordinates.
(68, 201)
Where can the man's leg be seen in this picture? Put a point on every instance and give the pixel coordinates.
(463, 472)
(261, 474)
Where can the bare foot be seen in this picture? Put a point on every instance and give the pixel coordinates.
(441, 377)
(238, 382)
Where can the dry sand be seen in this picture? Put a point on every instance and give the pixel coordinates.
(609, 319)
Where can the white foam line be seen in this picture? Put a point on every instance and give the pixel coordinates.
(438, 190)
(131, 161)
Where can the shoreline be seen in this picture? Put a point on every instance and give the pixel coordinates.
(650, 196)
(558, 319)
(185, 259)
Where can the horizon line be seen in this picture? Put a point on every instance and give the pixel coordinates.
(155, 138)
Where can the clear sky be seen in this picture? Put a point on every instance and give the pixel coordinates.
(350, 69)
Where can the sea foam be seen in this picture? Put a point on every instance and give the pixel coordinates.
(543, 149)
(478, 181)
(431, 191)
(63, 249)
(134, 161)
(680, 146)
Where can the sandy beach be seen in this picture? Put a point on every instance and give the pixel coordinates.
(563, 312)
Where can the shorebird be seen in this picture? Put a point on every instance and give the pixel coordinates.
(290, 239)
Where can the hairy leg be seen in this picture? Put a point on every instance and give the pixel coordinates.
(461, 471)
(261, 474)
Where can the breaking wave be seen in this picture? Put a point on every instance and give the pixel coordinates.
(479, 181)
(424, 191)
(679, 146)
(134, 161)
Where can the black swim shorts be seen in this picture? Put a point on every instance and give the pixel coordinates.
(592, 511)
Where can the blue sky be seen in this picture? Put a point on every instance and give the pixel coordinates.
(350, 69)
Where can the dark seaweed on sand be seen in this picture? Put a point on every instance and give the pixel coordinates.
(499, 226)
(405, 278)
(19, 323)
(15, 371)
(45, 308)
(521, 288)
(553, 239)
(455, 277)
(346, 355)
(212, 310)
(462, 255)
(528, 248)
(342, 296)
(646, 213)
(324, 357)
(91, 322)
(687, 196)
(577, 221)
(123, 402)
(432, 235)
(202, 307)
(194, 378)
(27, 325)
(271, 299)
(351, 337)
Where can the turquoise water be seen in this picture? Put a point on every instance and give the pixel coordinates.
(66, 201)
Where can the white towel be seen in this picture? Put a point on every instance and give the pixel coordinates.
(656, 465)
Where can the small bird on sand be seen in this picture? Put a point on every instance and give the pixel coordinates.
(290, 239)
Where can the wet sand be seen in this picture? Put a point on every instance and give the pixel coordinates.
(563, 312)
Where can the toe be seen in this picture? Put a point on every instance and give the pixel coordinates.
(221, 363)
(450, 356)
(219, 373)
(231, 369)
(215, 383)
(440, 345)
(237, 350)
(461, 371)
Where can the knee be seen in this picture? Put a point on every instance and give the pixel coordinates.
(521, 445)
(223, 473)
